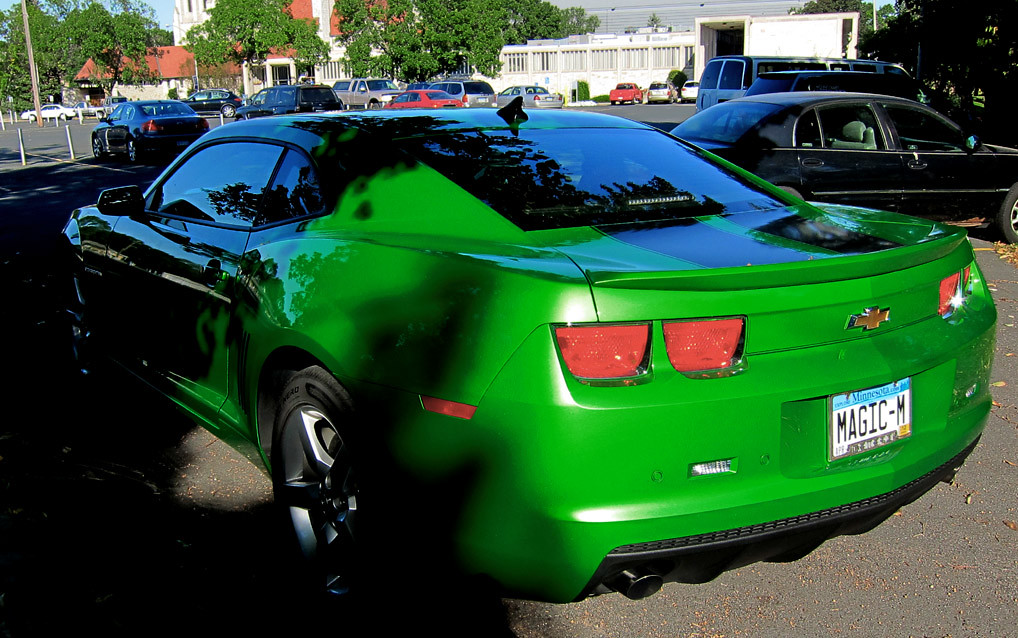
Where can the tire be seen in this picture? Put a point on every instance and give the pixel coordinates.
(228, 110)
(373, 105)
(1007, 218)
(133, 154)
(97, 148)
(314, 481)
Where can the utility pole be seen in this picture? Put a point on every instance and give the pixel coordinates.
(31, 65)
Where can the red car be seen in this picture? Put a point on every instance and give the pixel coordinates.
(626, 92)
(425, 99)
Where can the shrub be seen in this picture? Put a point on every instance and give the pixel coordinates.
(601, 99)
(582, 91)
(677, 78)
(172, 94)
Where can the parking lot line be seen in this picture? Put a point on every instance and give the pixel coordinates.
(78, 163)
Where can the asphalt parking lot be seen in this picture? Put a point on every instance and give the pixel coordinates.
(120, 517)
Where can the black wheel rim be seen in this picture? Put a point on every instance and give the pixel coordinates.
(97, 147)
(320, 490)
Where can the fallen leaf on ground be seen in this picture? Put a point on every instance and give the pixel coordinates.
(999, 384)
(1010, 463)
(1012, 525)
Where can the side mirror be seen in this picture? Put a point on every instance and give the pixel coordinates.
(125, 200)
(972, 143)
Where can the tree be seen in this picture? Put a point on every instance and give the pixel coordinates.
(538, 20)
(962, 50)
(248, 30)
(576, 21)
(653, 21)
(115, 39)
(418, 39)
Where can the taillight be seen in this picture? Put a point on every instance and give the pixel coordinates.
(537, 98)
(704, 344)
(952, 291)
(203, 124)
(151, 126)
(465, 98)
(605, 351)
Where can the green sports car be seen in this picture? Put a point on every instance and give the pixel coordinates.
(563, 351)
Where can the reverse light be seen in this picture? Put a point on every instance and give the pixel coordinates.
(721, 466)
(450, 408)
(704, 344)
(605, 351)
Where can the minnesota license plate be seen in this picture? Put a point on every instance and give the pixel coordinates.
(867, 419)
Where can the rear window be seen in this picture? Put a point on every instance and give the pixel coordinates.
(542, 179)
(342, 85)
(709, 80)
(478, 87)
(317, 95)
(382, 85)
(725, 123)
(771, 85)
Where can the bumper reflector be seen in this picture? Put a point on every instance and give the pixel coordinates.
(450, 408)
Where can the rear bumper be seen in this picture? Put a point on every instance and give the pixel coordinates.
(165, 143)
(701, 558)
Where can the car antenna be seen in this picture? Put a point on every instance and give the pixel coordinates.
(513, 114)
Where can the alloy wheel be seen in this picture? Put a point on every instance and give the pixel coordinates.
(319, 489)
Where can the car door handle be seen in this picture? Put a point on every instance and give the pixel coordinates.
(917, 164)
(812, 162)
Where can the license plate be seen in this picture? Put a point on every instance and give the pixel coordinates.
(867, 419)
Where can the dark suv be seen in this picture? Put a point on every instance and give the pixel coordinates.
(851, 81)
(301, 98)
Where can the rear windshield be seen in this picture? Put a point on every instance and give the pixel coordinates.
(771, 85)
(560, 178)
(317, 95)
(478, 87)
(342, 85)
(724, 123)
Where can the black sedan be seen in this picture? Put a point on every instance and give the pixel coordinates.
(867, 150)
(141, 128)
(214, 101)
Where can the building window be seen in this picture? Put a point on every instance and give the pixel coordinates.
(190, 9)
(514, 63)
(331, 71)
(668, 57)
(634, 58)
(544, 61)
(604, 59)
(574, 61)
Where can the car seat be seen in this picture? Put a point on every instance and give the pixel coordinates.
(856, 135)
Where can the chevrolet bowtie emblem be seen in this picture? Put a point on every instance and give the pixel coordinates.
(869, 318)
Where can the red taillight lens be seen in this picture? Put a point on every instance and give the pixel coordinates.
(710, 344)
(203, 124)
(537, 98)
(150, 126)
(451, 408)
(465, 98)
(604, 351)
(950, 294)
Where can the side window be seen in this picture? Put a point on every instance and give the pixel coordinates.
(852, 127)
(921, 131)
(807, 131)
(865, 68)
(295, 191)
(259, 98)
(709, 79)
(222, 183)
(118, 113)
(414, 97)
(731, 75)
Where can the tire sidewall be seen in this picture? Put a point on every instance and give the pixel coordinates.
(1004, 225)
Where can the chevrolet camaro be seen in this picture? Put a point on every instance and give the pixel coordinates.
(565, 352)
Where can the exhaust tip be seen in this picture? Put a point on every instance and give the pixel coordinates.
(635, 584)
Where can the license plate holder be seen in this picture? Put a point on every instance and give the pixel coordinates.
(867, 419)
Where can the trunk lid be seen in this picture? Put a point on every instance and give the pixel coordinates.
(798, 274)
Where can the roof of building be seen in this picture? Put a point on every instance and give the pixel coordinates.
(164, 62)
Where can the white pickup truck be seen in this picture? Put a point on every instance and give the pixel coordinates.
(365, 93)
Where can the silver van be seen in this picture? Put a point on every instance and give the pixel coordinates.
(727, 77)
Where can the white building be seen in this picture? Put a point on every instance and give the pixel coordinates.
(189, 13)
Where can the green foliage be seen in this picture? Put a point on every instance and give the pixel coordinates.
(582, 91)
(172, 93)
(601, 99)
(248, 30)
(968, 50)
(538, 19)
(677, 78)
(116, 40)
(416, 40)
